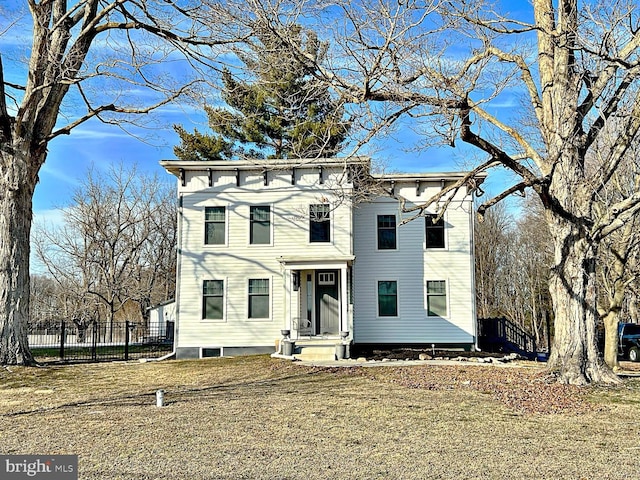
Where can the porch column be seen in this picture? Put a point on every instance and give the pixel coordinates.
(286, 323)
(344, 300)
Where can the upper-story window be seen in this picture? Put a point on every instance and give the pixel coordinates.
(434, 232)
(320, 223)
(387, 232)
(214, 225)
(260, 225)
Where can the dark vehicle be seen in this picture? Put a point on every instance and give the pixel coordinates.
(629, 341)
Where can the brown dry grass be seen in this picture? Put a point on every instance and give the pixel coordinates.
(258, 418)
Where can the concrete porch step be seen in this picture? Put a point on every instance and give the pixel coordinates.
(315, 353)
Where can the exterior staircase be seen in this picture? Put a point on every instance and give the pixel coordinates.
(502, 335)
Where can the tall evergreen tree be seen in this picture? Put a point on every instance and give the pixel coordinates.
(281, 110)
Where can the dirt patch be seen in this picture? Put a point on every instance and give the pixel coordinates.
(416, 354)
(524, 390)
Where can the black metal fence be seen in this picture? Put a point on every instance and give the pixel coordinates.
(70, 341)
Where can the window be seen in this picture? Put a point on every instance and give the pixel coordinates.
(326, 278)
(214, 225)
(259, 298)
(436, 298)
(260, 225)
(210, 352)
(213, 300)
(386, 232)
(388, 299)
(319, 223)
(434, 232)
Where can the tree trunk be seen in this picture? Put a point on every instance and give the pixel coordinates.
(574, 355)
(613, 302)
(611, 340)
(16, 192)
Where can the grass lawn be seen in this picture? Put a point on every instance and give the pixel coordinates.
(258, 418)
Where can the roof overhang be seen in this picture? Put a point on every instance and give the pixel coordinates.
(315, 263)
(429, 176)
(174, 166)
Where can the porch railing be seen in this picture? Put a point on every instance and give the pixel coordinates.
(500, 334)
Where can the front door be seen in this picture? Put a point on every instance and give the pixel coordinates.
(327, 303)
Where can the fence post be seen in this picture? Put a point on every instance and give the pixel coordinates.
(62, 335)
(126, 340)
(94, 341)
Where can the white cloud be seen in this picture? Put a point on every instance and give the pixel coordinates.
(52, 217)
(88, 133)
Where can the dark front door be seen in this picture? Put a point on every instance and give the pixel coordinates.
(327, 303)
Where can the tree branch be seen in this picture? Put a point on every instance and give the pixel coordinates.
(468, 180)
(5, 119)
(497, 154)
(622, 144)
(95, 112)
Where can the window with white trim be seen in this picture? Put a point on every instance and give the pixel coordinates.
(387, 232)
(320, 223)
(214, 225)
(326, 278)
(436, 298)
(434, 232)
(259, 298)
(213, 299)
(260, 225)
(387, 298)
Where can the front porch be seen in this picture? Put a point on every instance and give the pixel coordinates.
(316, 296)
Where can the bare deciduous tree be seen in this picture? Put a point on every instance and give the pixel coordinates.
(96, 54)
(116, 246)
(618, 255)
(574, 65)
(513, 257)
(492, 239)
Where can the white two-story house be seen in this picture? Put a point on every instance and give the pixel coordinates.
(298, 246)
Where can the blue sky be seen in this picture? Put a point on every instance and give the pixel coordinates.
(97, 145)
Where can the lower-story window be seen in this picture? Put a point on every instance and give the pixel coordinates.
(213, 299)
(259, 298)
(388, 298)
(436, 298)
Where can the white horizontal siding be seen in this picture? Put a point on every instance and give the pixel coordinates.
(411, 266)
(237, 261)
